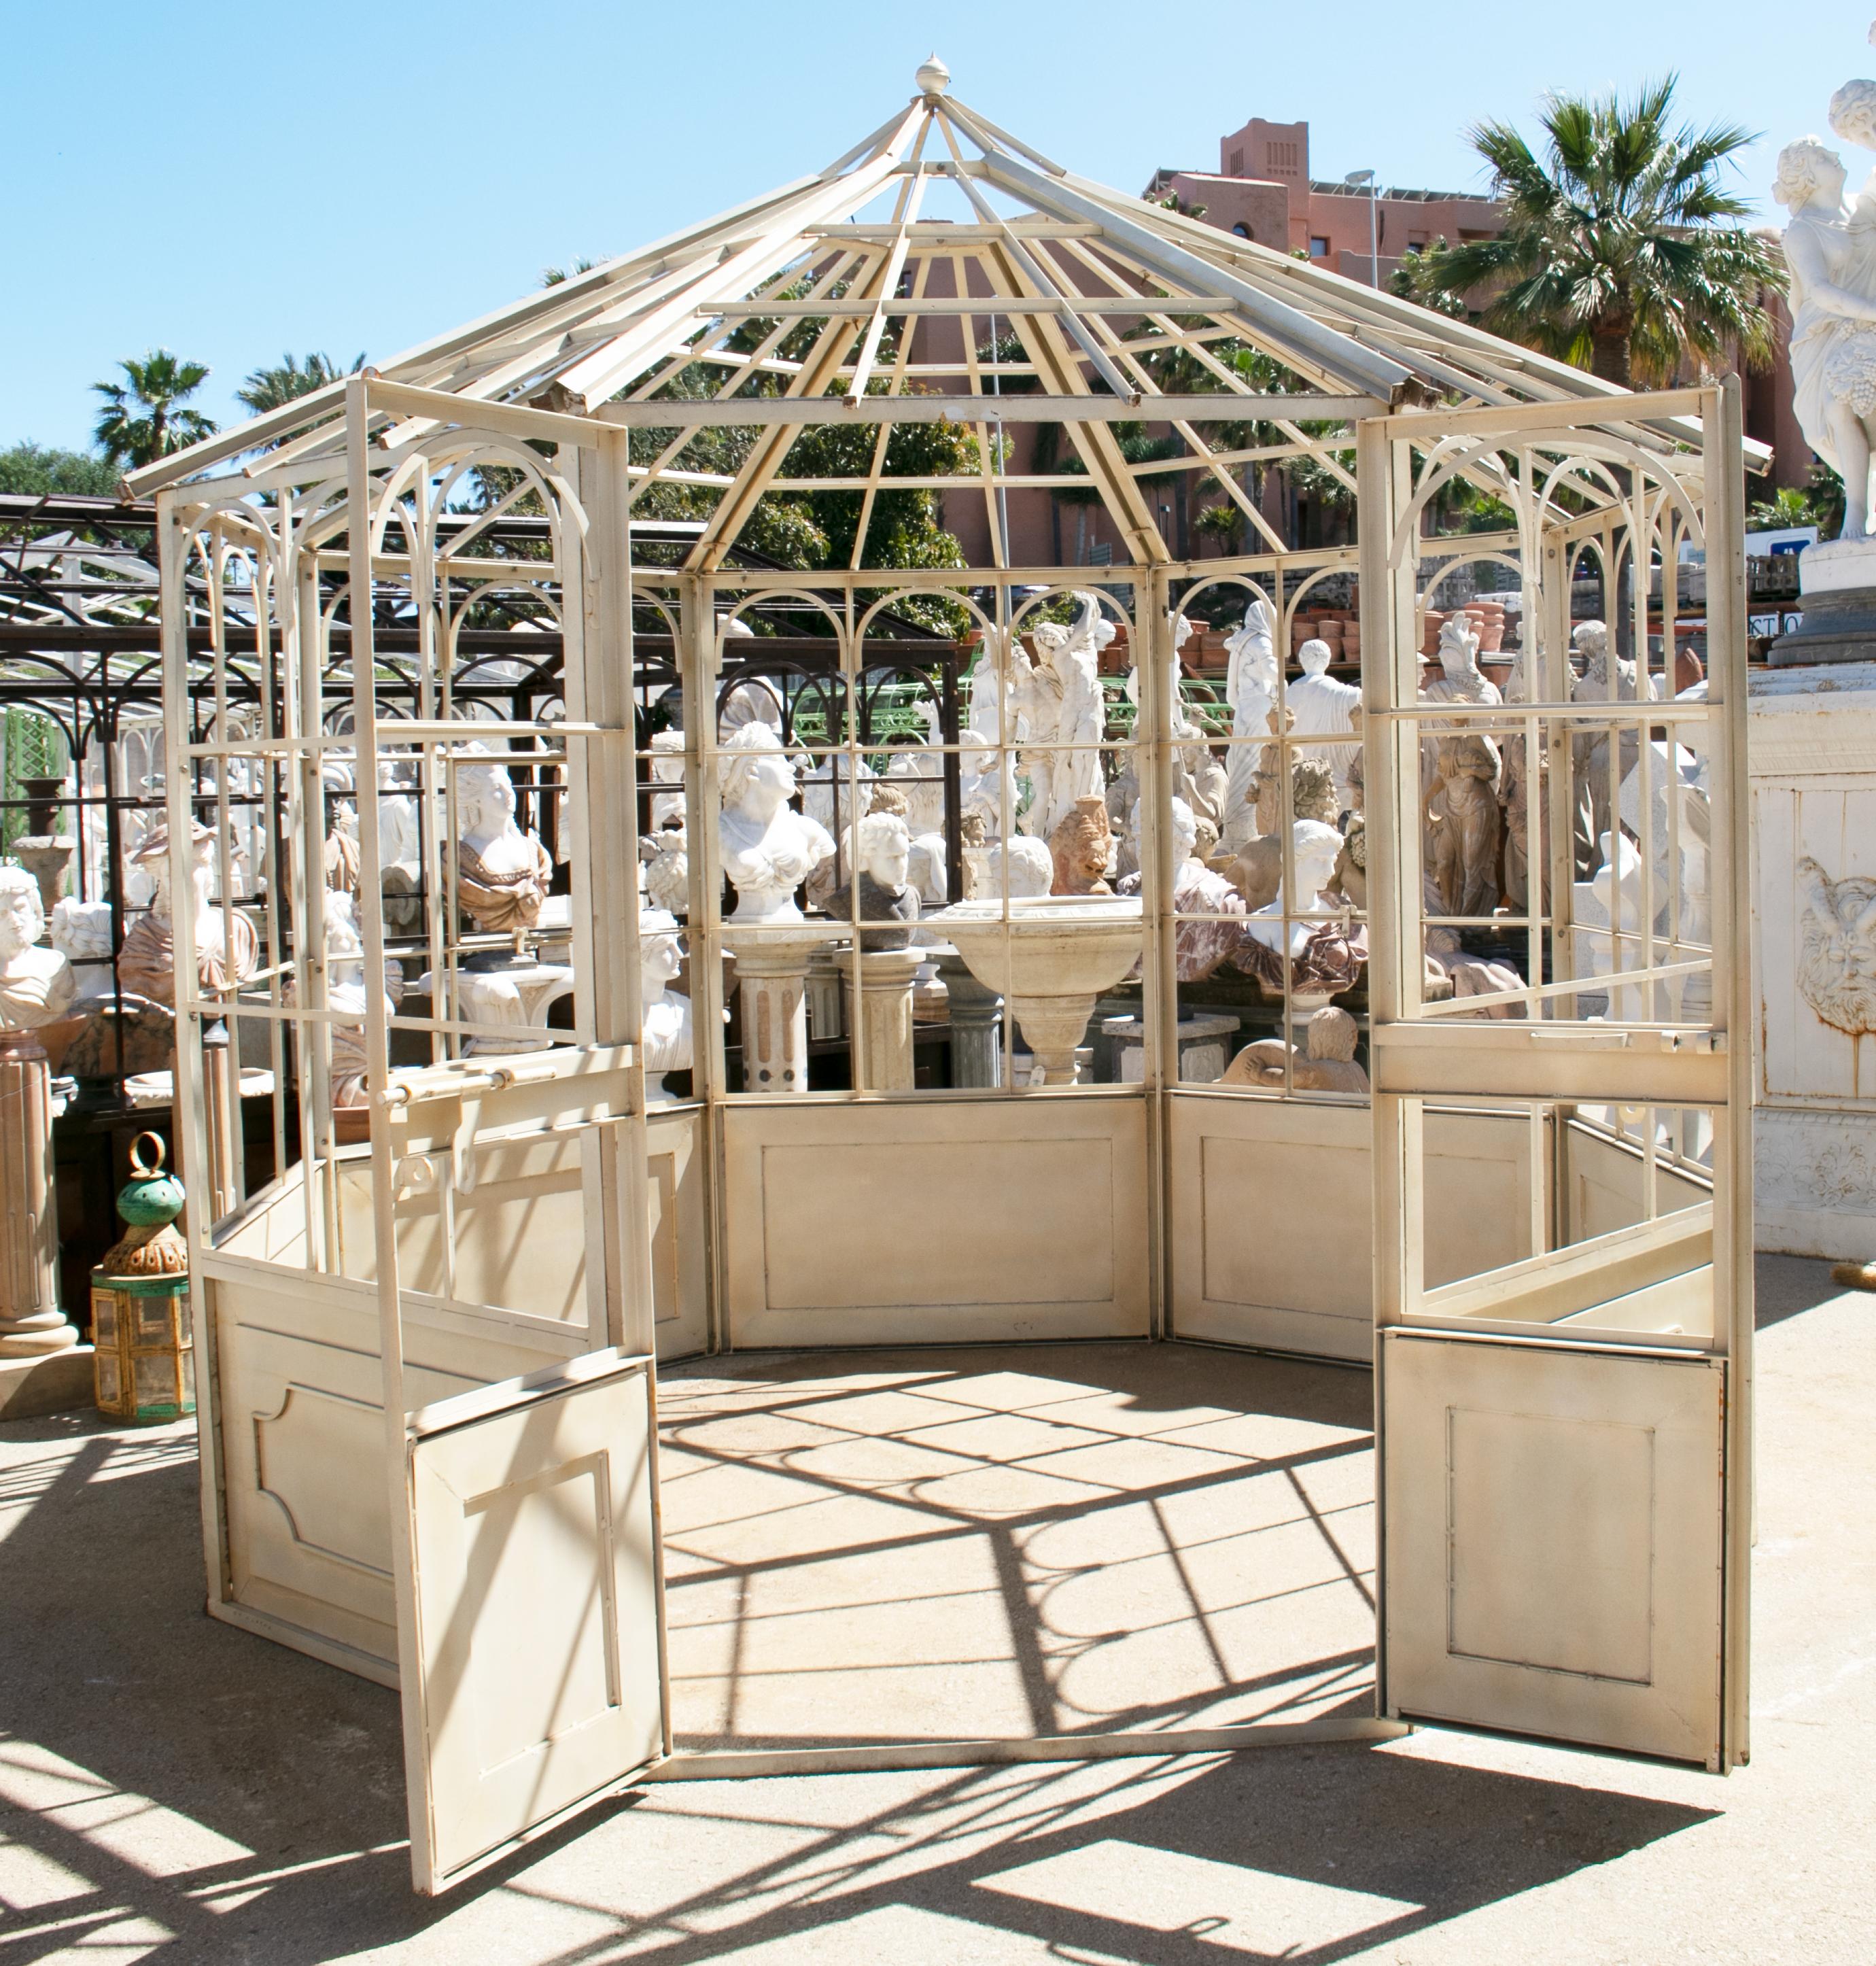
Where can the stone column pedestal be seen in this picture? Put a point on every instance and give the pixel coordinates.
(883, 1015)
(43, 1367)
(772, 983)
(976, 1023)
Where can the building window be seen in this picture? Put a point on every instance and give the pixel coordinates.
(1280, 159)
(1237, 163)
(1242, 230)
(1318, 248)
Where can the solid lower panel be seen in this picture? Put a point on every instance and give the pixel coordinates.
(535, 1681)
(1553, 1541)
(910, 1223)
(680, 1260)
(1271, 1222)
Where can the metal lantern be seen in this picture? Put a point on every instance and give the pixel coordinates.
(143, 1357)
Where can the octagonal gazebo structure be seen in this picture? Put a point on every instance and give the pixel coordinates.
(431, 1347)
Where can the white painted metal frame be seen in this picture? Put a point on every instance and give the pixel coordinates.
(553, 389)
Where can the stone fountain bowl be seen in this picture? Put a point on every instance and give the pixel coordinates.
(1058, 946)
(1060, 952)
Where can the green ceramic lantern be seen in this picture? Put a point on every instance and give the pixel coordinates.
(144, 1358)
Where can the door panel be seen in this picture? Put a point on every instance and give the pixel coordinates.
(1554, 1541)
(1565, 1551)
(533, 1605)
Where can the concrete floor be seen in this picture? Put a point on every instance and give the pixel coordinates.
(1035, 1540)
(172, 1789)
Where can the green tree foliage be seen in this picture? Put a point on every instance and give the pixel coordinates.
(1819, 504)
(146, 415)
(1616, 254)
(1426, 277)
(35, 470)
(809, 529)
(292, 377)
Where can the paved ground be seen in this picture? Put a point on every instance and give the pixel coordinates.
(170, 1789)
(1034, 1540)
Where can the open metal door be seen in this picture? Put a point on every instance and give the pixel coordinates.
(1563, 1439)
(529, 1613)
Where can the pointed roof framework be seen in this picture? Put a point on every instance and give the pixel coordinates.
(1057, 300)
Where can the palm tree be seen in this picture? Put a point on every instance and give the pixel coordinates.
(273, 389)
(1790, 505)
(143, 418)
(1614, 255)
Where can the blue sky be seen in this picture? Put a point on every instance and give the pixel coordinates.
(233, 181)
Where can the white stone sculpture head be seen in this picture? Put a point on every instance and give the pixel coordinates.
(1184, 825)
(1809, 173)
(1029, 865)
(22, 913)
(758, 778)
(1590, 640)
(1458, 646)
(659, 955)
(1332, 1036)
(1314, 848)
(485, 800)
(1852, 114)
(1181, 633)
(884, 850)
(1315, 656)
(152, 858)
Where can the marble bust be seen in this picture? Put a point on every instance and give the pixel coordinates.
(36, 985)
(226, 951)
(769, 849)
(503, 874)
(883, 846)
(1315, 849)
(665, 1017)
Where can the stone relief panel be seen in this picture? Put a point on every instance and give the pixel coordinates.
(1816, 938)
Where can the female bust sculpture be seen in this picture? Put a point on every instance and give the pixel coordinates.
(226, 951)
(1830, 251)
(769, 849)
(36, 985)
(665, 1015)
(502, 874)
(1318, 956)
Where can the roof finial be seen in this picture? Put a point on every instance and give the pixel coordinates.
(932, 78)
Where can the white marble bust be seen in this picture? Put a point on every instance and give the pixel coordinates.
(1315, 849)
(665, 1015)
(502, 874)
(769, 849)
(36, 985)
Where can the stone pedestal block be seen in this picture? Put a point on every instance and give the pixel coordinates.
(772, 981)
(1811, 759)
(883, 1015)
